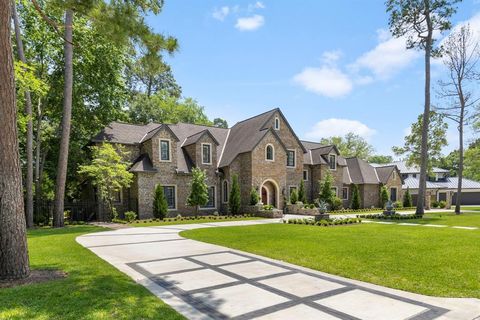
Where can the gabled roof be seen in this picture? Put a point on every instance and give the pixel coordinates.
(246, 135)
(119, 132)
(384, 173)
(142, 164)
(361, 172)
(154, 131)
(197, 136)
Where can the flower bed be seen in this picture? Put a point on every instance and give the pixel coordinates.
(324, 222)
(382, 216)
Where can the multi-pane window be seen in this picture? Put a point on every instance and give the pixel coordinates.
(211, 198)
(345, 193)
(169, 192)
(269, 153)
(290, 158)
(305, 175)
(332, 162)
(225, 191)
(164, 150)
(206, 153)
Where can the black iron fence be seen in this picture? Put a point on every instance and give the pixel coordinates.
(75, 211)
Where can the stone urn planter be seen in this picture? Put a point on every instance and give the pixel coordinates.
(389, 209)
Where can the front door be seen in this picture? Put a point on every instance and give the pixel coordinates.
(393, 194)
(264, 195)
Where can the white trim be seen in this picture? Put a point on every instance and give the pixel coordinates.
(336, 190)
(277, 120)
(214, 200)
(376, 174)
(294, 158)
(223, 191)
(223, 149)
(273, 152)
(176, 194)
(169, 149)
(329, 161)
(348, 190)
(211, 155)
(349, 177)
(311, 158)
(277, 191)
(303, 175)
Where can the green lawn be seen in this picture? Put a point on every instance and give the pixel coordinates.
(93, 289)
(466, 219)
(470, 208)
(437, 262)
(150, 223)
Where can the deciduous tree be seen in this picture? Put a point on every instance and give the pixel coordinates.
(351, 145)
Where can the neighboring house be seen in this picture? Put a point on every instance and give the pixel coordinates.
(440, 187)
(263, 151)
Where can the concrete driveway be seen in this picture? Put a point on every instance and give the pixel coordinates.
(204, 281)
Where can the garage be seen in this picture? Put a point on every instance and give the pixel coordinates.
(468, 198)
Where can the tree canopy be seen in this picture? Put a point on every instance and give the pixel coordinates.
(350, 145)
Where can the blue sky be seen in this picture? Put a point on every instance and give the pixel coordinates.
(331, 66)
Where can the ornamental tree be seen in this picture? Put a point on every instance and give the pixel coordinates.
(198, 190)
(407, 199)
(301, 192)
(383, 197)
(355, 204)
(234, 199)
(160, 205)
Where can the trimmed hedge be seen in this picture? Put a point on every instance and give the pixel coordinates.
(324, 222)
(381, 216)
(199, 218)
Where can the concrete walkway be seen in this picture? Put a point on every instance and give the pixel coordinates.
(205, 281)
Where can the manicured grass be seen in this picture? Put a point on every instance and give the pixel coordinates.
(151, 223)
(93, 289)
(470, 208)
(437, 262)
(466, 219)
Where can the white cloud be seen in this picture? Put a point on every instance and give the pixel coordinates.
(250, 23)
(326, 81)
(221, 13)
(339, 127)
(331, 57)
(256, 5)
(387, 58)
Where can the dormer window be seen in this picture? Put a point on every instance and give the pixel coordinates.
(332, 161)
(269, 153)
(165, 150)
(277, 123)
(206, 153)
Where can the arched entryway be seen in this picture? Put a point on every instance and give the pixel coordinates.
(269, 193)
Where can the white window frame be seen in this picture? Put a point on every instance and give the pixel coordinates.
(396, 193)
(214, 200)
(273, 152)
(305, 171)
(294, 158)
(175, 191)
(276, 124)
(225, 195)
(169, 150)
(336, 191)
(334, 162)
(348, 190)
(211, 156)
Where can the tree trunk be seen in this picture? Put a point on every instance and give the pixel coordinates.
(58, 219)
(38, 146)
(460, 150)
(426, 118)
(13, 240)
(28, 112)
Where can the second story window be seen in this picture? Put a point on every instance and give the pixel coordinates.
(332, 162)
(277, 123)
(164, 150)
(206, 153)
(305, 175)
(269, 153)
(290, 158)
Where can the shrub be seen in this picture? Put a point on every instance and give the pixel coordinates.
(442, 204)
(336, 203)
(267, 207)
(435, 204)
(311, 206)
(407, 199)
(130, 216)
(397, 204)
(293, 197)
(254, 198)
(234, 199)
(355, 204)
(383, 197)
(301, 192)
(326, 192)
(160, 205)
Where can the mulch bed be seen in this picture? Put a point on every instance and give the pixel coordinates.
(36, 276)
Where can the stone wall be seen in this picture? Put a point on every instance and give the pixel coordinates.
(370, 195)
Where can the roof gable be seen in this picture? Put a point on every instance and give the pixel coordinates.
(265, 125)
(361, 172)
(197, 136)
(155, 131)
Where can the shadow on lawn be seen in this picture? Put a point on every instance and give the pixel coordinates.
(49, 231)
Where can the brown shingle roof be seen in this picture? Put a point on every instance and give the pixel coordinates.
(143, 164)
(119, 132)
(384, 173)
(361, 172)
